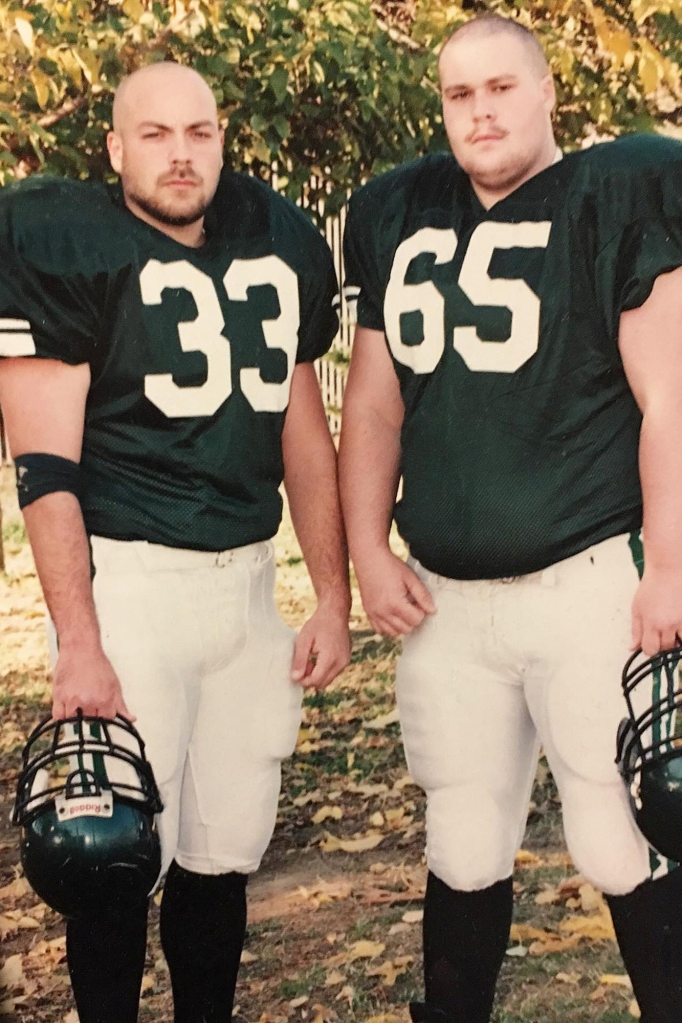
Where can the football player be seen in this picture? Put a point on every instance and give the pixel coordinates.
(158, 384)
(517, 352)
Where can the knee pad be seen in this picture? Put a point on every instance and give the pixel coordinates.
(471, 840)
(603, 839)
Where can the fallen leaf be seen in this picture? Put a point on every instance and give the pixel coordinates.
(568, 978)
(547, 897)
(526, 932)
(335, 812)
(616, 979)
(590, 899)
(12, 973)
(248, 957)
(364, 950)
(296, 1003)
(553, 944)
(383, 721)
(351, 845)
(71, 1017)
(148, 983)
(525, 858)
(377, 820)
(398, 929)
(517, 950)
(333, 978)
(413, 916)
(634, 1009)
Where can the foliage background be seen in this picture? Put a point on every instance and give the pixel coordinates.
(330, 90)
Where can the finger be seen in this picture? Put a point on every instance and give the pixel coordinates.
(636, 631)
(651, 641)
(382, 626)
(668, 637)
(302, 651)
(419, 593)
(319, 672)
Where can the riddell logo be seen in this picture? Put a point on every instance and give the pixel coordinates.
(80, 806)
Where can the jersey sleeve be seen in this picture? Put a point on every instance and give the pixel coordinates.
(47, 309)
(361, 282)
(639, 232)
(319, 319)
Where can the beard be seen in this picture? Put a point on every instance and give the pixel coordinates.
(164, 213)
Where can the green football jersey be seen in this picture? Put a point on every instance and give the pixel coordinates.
(191, 351)
(520, 436)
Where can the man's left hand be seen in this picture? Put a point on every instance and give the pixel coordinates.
(657, 611)
(322, 649)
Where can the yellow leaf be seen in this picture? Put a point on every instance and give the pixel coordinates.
(389, 971)
(333, 978)
(248, 957)
(134, 9)
(383, 721)
(364, 950)
(296, 1003)
(24, 30)
(89, 63)
(568, 978)
(595, 928)
(41, 84)
(590, 899)
(526, 932)
(616, 979)
(377, 820)
(148, 983)
(335, 812)
(649, 74)
(524, 858)
(12, 973)
(553, 944)
(351, 845)
(634, 1010)
(547, 897)
(413, 916)
(69, 61)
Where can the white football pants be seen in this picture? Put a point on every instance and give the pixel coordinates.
(502, 667)
(204, 662)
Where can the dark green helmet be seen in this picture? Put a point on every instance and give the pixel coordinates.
(649, 748)
(86, 801)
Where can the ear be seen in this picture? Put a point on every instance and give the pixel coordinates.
(115, 147)
(548, 92)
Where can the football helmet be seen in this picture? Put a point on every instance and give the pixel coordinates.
(649, 747)
(86, 800)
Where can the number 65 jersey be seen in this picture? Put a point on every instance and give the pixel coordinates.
(191, 351)
(520, 435)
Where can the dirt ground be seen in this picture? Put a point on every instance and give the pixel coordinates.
(335, 911)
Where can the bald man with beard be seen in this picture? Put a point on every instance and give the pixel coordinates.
(158, 389)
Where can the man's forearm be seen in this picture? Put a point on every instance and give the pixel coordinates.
(55, 528)
(660, 461)
(369, 470)
(312, 491)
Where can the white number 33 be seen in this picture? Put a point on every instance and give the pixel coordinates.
(205, 334)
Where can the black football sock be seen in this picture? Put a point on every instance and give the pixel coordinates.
(465, 939)
(203, 922)
(106, 963)
(648, 925)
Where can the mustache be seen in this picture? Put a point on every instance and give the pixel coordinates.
(496, 133)
(183, 174)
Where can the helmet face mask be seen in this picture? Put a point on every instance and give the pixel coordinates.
(86, 801)
(649, 747)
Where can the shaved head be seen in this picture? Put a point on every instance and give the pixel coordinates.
(134, 88)
(495, 24)
(167, 146)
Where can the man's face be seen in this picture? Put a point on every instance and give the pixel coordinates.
(167, 148)
(496, 109)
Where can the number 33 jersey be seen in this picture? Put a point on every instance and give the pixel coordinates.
(520, 435)
(191, 351)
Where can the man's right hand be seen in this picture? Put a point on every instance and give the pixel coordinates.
(84, 678)
(394, 597)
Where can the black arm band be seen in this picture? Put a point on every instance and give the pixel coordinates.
(39, 474)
